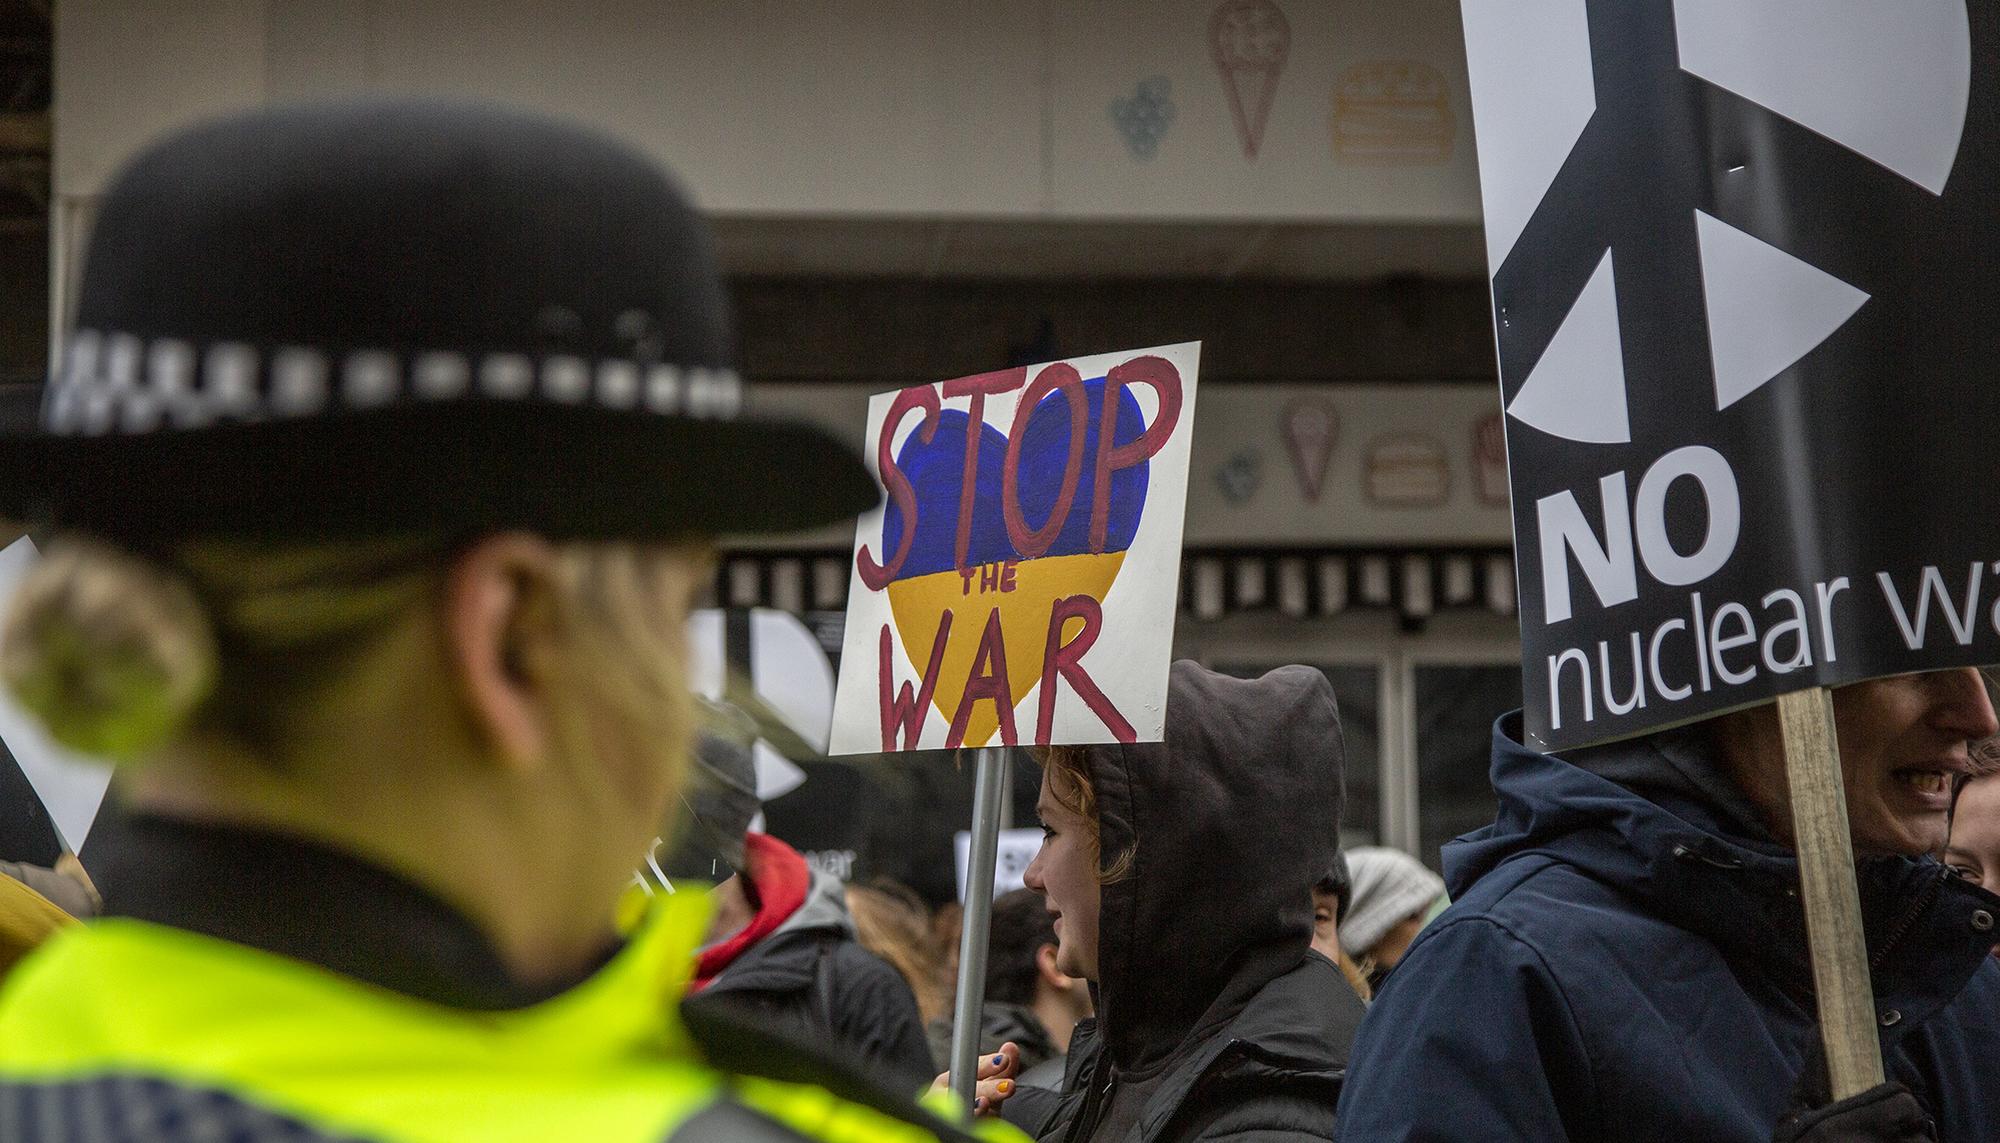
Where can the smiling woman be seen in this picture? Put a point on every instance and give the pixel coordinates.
(1069, 870)
(1180, 876)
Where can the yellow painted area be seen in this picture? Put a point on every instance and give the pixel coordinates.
(919, 603)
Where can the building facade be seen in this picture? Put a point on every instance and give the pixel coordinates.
(909, 190)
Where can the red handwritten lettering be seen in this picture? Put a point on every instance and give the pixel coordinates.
(1003, 381)
(1031, 543)
(1066, 659)
(1166, 381)
(987, 683)
(900, 708)
(876, 576)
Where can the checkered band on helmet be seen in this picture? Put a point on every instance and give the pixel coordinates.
(114, 382)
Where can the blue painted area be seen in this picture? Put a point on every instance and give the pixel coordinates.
(937, 470)
(1040, 478)
(1143, 117)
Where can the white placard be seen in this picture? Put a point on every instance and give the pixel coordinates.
(789, 672)
(1017, 848)
(1037, 604)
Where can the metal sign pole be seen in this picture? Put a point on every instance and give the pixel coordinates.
(988, 792)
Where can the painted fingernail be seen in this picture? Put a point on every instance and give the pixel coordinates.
(999, 1060)
(979, 1104)
(1004, 1086)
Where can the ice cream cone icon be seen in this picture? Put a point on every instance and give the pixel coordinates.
(1249, 40)
(1311, 425)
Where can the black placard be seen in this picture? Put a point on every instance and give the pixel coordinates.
(1792, 505)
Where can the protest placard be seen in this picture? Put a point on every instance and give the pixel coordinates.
(1743, 259)
(1016, 849)
(1018, 585)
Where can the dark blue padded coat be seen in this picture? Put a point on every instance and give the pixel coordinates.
(1627, 967)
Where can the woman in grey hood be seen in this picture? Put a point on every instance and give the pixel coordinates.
(1180, 875)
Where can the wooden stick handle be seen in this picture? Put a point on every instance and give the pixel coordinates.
(1826, 880)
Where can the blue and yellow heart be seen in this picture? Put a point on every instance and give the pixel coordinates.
(930, 581)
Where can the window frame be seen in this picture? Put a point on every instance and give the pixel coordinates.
(1373, 638)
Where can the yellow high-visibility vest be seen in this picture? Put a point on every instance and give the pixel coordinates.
(136, 1019)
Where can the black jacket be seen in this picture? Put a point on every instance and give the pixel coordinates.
(811, 978)
(1000, 1024)
(1210, 999)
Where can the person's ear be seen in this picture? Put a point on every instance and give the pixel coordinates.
(499, 623)
(1045, 966)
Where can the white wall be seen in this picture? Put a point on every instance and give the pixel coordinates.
(937, 108)
(126, 70)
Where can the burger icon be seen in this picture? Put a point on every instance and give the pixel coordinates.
(1393, 113)
(1405, 470)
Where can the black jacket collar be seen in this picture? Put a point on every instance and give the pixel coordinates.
(299, 899)
(1292, 1036)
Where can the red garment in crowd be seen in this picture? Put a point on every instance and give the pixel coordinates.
(778, 878)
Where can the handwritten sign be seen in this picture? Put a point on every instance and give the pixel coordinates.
(1018, 584)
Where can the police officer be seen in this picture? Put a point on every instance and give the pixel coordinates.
(380, 466)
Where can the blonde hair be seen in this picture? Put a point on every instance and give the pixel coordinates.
(890, 922)
(1355, 973)
(1067, 770)
(120, 655)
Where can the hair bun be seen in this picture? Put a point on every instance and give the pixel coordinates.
(111, 652)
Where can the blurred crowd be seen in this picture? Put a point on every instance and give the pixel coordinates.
(396, 682)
